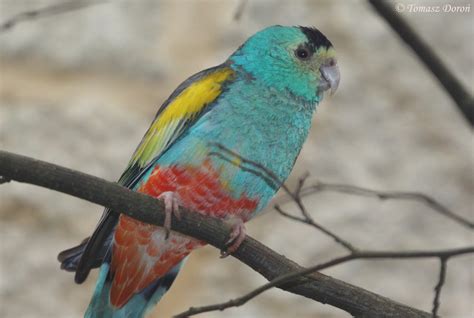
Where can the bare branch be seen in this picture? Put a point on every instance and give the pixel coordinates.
(312, 223)
(453, 86)
(439, 286)
(385, 195)
(301, 183)
(354, 190)
(444, 255)
(356, 301)
(297, 198)
(272, 180)
(58, 8)
(240, 9)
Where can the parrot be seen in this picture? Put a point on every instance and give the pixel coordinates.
(221, 145)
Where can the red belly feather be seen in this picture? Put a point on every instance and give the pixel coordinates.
(140, 253)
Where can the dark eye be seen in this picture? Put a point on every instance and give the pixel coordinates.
(303, 53)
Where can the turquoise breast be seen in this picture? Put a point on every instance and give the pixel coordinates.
(251, 130)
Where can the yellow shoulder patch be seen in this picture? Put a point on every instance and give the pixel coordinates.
(172, 120)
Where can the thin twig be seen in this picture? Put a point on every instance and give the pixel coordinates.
(254, 167)
(354, 190)
(442, 254)
(272, 179)
(440, 284)
(385, 195)
(301, 183)
(312, 223)
(51, 10)
(297, 198)
(240, 9)
(453, 86)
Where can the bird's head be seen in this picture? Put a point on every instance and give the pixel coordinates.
(296, 60)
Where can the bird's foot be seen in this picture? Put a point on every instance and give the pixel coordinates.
(237, 236)
(171, 202)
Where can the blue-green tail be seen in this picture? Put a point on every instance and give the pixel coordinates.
(137, 306)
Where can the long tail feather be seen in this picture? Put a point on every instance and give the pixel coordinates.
(70, 258)
(138, 305)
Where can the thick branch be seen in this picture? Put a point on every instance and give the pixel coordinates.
(432, 61)
(444, 255)
(324, 289)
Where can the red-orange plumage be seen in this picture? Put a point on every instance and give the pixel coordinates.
(140, 252)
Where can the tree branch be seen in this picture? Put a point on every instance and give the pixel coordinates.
(296, 197)
(240, 10)
(354, 190)
(54, 9)
(312, 223)
(444, 255)
(354, 253)
(452, 85)
(272, 180)
(354, 300)
(439, 285)
(383, 195)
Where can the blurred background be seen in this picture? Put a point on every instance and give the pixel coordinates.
(79, 89)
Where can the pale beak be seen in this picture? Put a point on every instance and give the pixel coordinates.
(330, 77)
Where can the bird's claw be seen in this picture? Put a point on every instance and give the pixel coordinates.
(171, 208)
(237, 236)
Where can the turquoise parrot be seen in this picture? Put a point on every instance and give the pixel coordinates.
(220, 145)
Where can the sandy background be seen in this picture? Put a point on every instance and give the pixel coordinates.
(79, 89)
